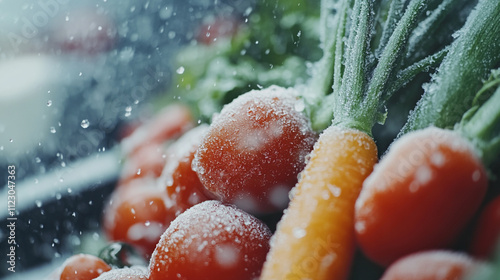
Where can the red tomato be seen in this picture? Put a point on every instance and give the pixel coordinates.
(182, 184)
(138, 214)
(169, 123)
(127, 273)
(211, 241)
(255, 149)
(84, 31)
(83, 267)
(146, 161)
(431, 265)
(487, 232)
(420, 196)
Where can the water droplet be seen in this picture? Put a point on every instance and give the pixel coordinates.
(128, 111)
(49, 103)
(38, 160)
(52, 129)
(11, 140)
(85, 123)
(180, 70)
(38, 203)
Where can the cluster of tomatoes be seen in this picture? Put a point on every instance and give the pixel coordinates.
(188, 193)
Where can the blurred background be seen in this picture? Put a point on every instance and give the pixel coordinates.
(73, 74)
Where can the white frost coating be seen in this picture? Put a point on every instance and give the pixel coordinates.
(226, 255)
(438, 159)
(181, 148)
(246, 203)
(435, 260)
(299, 232)
(414, 145)
(133, 272)
(256, 126)
(336, 191)
(360, 227)
(201, 230)
(145, 231)
(423, 174)
(476, 176)
(278, 196)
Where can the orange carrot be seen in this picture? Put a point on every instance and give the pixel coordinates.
(315, 238)
(318, 244)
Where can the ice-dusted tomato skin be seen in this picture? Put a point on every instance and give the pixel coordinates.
(127, 273)
(420, 196)
(138, 214)
(431, 265)
(83, 267)
(182, 184)
(211, 241)
(146, 161)
(254, 150)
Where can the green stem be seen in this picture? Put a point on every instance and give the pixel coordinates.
(388, 59)
(324, 114)
(483, 129)
(350, 96)
(426, 28)
(393, 17)
(339, 48)
(321, 82)
(450, 93)
(406, 75)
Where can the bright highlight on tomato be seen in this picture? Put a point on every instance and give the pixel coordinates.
(420, 196)
(254, 150)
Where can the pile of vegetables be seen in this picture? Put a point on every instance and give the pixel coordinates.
(278, 172)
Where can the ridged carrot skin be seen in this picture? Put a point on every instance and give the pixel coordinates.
(315, 237)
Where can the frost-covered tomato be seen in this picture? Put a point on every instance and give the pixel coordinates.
(127, 273)
(211, 241)
(167, 124)
(138, 214)
(149, 160)
(431, 265)
(254, 150)
(83, 267)
(183, 186)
